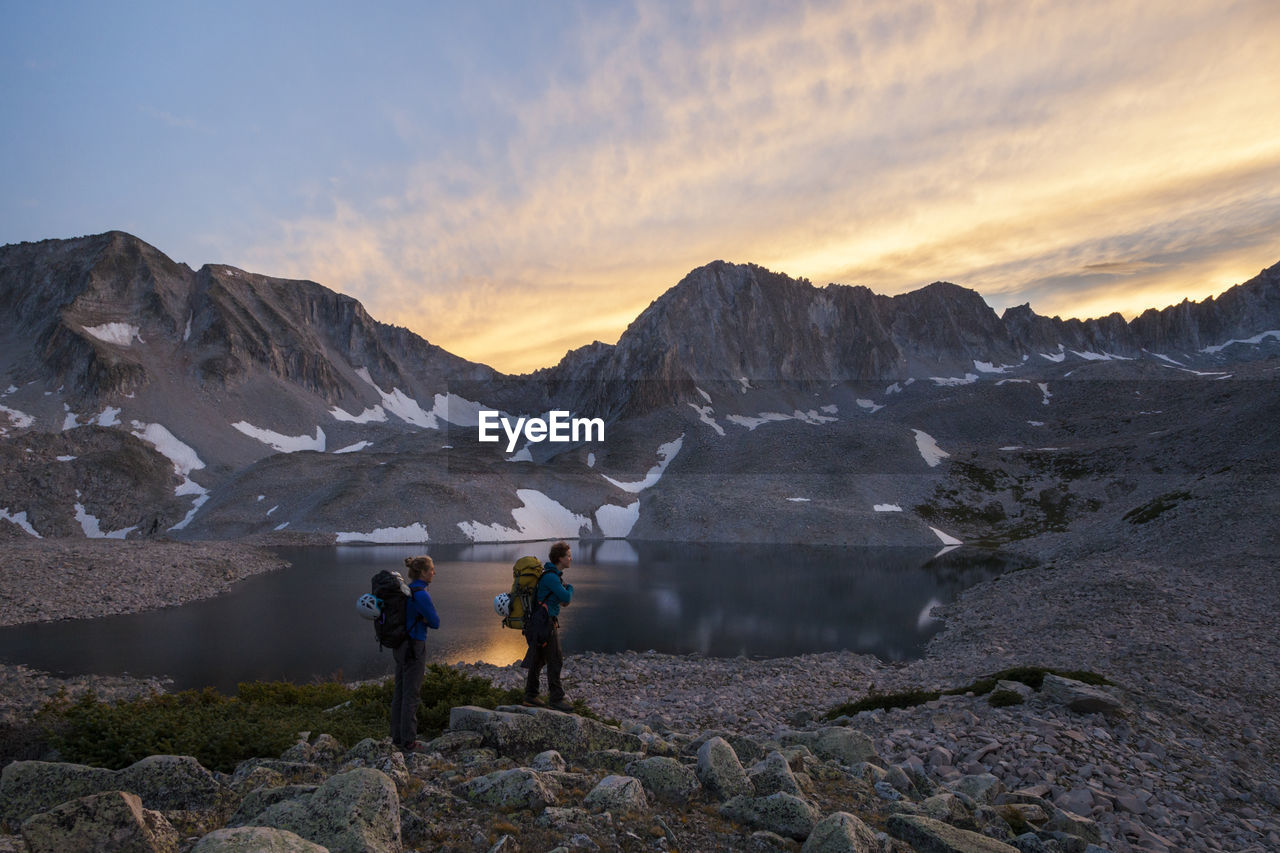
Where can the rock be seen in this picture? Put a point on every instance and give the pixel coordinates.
(617, 794)
(518, 788)
(785, 814)
(258, 801)
(1078, 696)
(255, 839)
(840, 743)
(514, 730)
(178, 786)
(949, 809)
(1073, 824)
(720, 772)
(356, 810)
(983, 787)
(666, 778)
(841, 832)
(455, 741)
(109, 821)
(1024, 690)
(549, 761)
(772, 775)
(927, 835)
(763, 841)
(258, 777)
(613, 760)
(292, 771)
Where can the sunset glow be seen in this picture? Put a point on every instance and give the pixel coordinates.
(516, 180)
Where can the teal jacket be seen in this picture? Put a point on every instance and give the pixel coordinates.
(553, 590)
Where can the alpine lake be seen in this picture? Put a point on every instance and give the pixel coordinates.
(720, 600)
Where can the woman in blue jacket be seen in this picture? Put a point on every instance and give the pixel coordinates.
(411, 655)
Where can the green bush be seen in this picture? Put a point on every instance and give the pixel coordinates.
(1032, 676)
(1004, 698)
(262, 720)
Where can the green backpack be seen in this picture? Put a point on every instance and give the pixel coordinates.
(515, 605)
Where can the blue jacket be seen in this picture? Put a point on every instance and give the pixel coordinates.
(419, 612)
(553, 590)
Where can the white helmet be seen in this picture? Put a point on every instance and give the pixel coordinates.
(369, 606)
(502, 603)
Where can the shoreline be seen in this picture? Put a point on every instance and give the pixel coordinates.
(1189, 643)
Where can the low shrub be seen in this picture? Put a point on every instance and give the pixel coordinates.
(262, 720)
(1032, 676)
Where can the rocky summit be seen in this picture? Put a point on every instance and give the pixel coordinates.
(141, 398)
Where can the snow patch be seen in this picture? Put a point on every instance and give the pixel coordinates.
(70, 421)
(616, 522)
(186, 333)
(374, 414)
(120, 334)
(66, 458)
(929, 449)
(538, 517)
(988, 367)
(1057, 357)
(871, 407)
(20, 519)
(184, 459)
(1044, 390)
(521, 455)
(400, 404)
(386, 535)
(352, 448)
(1163, 358)
(887, 508)
(951, 381)
(89, 524)
(946, 538)
(666, 453)
(110, 417)
(282, 443)
(704, 415)
(746, 386)
(809, 417)
(800, 500)
(1255, 340)
(591, 460)
(704, 394)
(273, 509)
(457, 410)
(21, 420)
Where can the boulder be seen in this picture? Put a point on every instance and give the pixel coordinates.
(259, 800)
(617, 794)
(515, 730)
(518, 788)
(549, 761)
(839, 743)
(927, 835)
(255, 839)
(949, 809)
(773, 774)
(114, 820)
(356, 810)
(983, 787)
(1078, 696)
(841, 832)
(176, 785)
(785, 814)
(666, 778)
(720, 772)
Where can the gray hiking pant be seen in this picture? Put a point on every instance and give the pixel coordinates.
(411, 668)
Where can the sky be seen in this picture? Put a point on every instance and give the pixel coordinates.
(512, 180)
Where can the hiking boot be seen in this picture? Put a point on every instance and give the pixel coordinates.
(563, 705)
(534, 702)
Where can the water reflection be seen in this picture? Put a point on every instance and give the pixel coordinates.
(718, 600)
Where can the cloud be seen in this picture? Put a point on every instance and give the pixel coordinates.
(1028, 151)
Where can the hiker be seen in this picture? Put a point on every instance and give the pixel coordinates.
(411, 655)
(555, 592)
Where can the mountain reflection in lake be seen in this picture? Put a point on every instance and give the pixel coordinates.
(719, 600)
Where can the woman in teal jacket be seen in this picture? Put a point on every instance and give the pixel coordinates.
(556, 593)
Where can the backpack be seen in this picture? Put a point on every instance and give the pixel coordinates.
(525, 575)
(393, 593)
